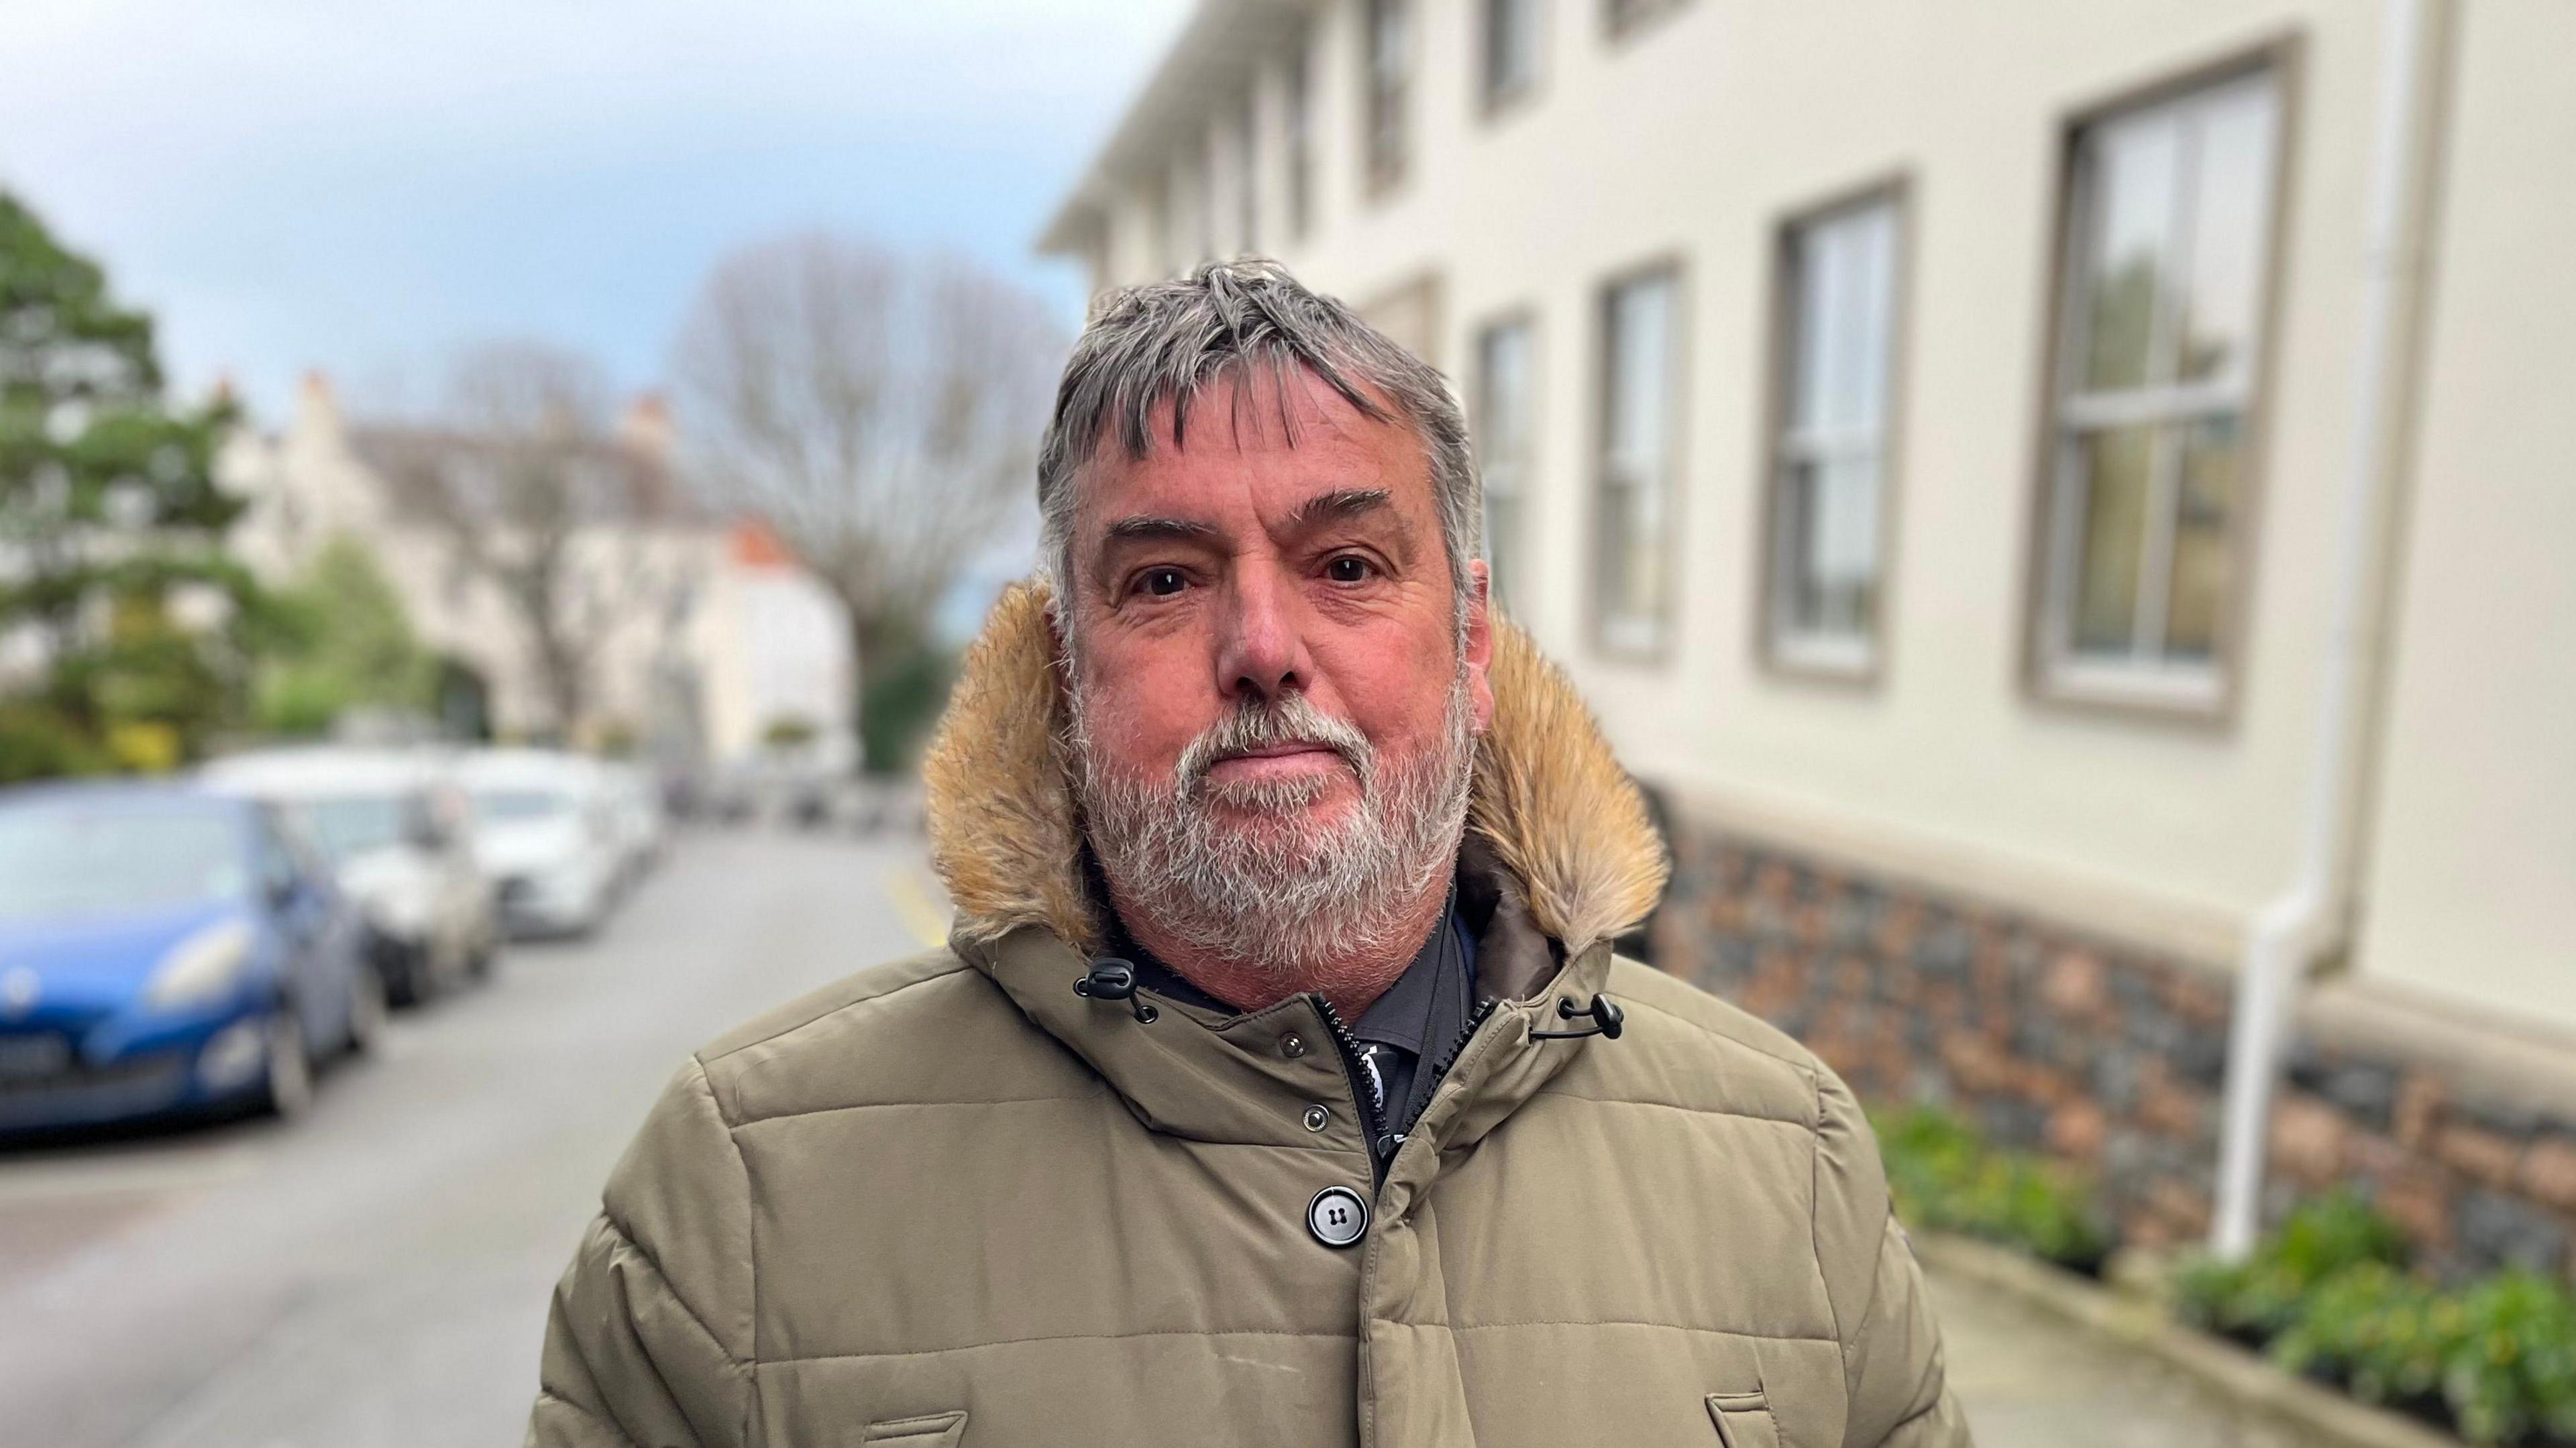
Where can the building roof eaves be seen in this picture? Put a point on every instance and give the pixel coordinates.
(1219, 43)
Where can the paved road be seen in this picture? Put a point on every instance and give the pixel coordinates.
(377, 1274)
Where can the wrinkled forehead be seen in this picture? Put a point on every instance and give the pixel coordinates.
(1250, 401)
(1284, 426)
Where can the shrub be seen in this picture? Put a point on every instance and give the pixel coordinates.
(1944, 1175)
(2265, 1293)
(343, 642)
(899, 701)
(2510, 1368)
(2329, 1295)
(789, 731)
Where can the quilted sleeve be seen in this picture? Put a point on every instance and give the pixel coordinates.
(1892, 1373)
(648, 1344)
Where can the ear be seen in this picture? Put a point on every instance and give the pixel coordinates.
(1479, 648)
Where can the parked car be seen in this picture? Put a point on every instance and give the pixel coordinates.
(396, 828)
(634, 802)
(545, 834)
(165, 949)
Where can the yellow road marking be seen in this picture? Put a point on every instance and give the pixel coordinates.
(917, 900)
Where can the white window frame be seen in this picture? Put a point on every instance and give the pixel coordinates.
(1857, 655)
(2145, 677)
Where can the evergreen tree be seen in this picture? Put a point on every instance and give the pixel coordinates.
(112, 576)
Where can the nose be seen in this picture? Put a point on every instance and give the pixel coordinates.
(1262, 652)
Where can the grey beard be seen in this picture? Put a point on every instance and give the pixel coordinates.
(1230, 871)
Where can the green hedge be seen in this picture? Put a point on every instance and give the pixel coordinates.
(1946, 1177)
(2330, 1295)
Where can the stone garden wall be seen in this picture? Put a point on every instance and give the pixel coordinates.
(2105, 1056)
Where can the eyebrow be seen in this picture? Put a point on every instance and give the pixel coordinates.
(1159, 529)
(1340, 503)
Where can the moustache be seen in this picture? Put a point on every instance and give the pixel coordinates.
(1290, 720)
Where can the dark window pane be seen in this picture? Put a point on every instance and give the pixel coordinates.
(2114, 468)
(1502, 549)
(2213, 461)
(2232, 169)
(1829, 515)
(1503, 402)
(1636, 472)
(1389, 62)
(2127, 259)
(1511, 47)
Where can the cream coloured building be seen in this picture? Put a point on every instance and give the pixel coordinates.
(2079, 479)
(699, 632)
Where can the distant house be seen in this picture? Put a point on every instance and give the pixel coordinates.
(1933, 436)
(697, 633)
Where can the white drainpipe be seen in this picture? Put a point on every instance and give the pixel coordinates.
(2314, 916)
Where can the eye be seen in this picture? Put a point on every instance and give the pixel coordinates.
(1161, 582)
(1349, 568)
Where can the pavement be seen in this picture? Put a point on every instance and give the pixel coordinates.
(2030, 1379)
(377, 1273)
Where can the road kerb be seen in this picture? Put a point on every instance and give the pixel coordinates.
(2319, 1413)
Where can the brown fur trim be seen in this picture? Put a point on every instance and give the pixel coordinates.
(1005, 834)
(1559, 811)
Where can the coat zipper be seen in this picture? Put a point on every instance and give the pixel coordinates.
(1372, 1116)
(1449, 1058)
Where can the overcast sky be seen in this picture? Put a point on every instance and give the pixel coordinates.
(363, 186)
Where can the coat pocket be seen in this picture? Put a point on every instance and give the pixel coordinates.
(1743, 1420)
(930, 1430)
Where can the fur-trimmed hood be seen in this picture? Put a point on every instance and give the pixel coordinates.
(951, 1199)
(1554, 808)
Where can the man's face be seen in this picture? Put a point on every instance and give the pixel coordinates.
(1266, 641)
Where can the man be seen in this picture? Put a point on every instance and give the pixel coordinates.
(1278, 1084)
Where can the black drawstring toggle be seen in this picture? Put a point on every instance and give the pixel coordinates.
(1604, 1013)
(1115, 980)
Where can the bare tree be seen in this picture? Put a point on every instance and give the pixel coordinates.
(880, 411)
(521, 468)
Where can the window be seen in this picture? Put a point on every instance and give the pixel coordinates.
(1300, 157)
(1623, 16)
(2168, 228)
(1505, 393)
(1509, 54)
(1640, 361)
(1829, 456)
(1386, 70)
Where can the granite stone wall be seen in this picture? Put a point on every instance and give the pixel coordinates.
(2106, 1056)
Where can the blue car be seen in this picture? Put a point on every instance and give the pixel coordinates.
(166, 951)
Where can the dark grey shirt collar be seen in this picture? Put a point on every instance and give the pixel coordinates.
(1421, 1015)
(1428, 1004)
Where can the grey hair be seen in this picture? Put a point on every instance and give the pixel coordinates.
(1245, 322)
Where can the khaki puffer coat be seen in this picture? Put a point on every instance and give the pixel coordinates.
(950, 1202)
